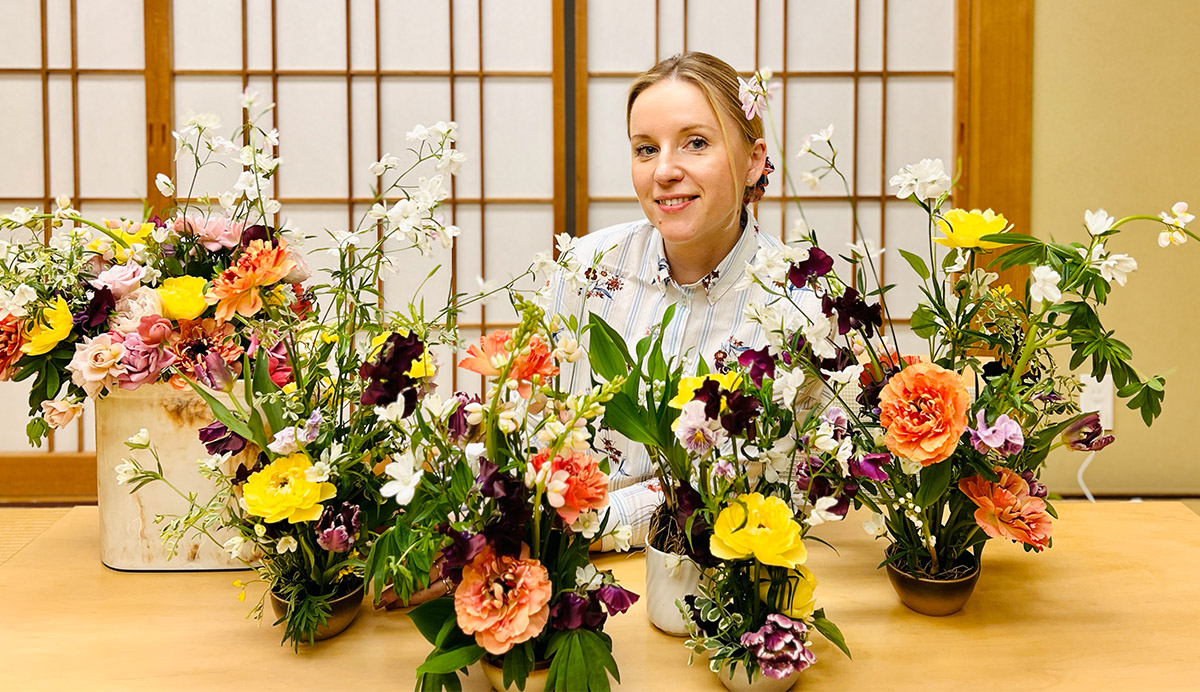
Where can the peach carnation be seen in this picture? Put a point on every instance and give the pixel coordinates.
(584, 486)
(503, 600)
(924, 410)
(236, 290)
(492, 354)
(1007, 510)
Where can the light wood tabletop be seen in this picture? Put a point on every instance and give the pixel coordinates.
(1115, 605)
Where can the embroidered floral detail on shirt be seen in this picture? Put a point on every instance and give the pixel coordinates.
(664, 273)
(615, 457)
(708, 281)
(721, 359)
(603, 284)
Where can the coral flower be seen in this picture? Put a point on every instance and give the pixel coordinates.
(503, 600)
(964, 229)
(282, 491)
(924, 410)
(493, 353)
(759, 527)
(236, 290)
(586, 484)
(11, 339)
(1008, 510)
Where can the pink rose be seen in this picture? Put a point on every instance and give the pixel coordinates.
(120, 278)
(97, 363)
(300, 272)
(214, 232)
(132, 307)
(58, 413)
(143, 362)
(154, 330)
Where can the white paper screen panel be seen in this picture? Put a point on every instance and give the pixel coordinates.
(829, 56)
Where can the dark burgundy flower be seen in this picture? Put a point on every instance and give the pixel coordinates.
(257, 232)
(1086, 434)
(818, 264)
(741, 410)
(462, 549)
(507, 531)
(1036, 487)
(388, 372)
(870, 466)
(853, 312)
(242, 473)
(337, 527)
(710, 629)
(219, 439)
(460, 429)
(616, 599)
(100, 305)
(710, 393)
(687, 505)
(761, 363)
(572, 611)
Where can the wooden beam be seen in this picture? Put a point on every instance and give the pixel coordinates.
(160, 149)
(994, 103)
(38, 477)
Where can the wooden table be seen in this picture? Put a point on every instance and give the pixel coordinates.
(1115, 605)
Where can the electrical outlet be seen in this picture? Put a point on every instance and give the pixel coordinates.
(1097, 395)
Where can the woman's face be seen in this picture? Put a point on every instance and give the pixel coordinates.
(681, 165)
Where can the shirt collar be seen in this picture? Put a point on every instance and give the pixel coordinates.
(727, 271)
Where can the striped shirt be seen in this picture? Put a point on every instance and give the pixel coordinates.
(630, 289)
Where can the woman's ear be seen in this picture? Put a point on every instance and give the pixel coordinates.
(758, 161)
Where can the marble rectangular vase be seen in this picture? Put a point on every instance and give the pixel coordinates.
(129, 537)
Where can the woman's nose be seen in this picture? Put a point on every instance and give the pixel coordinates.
(668, 169)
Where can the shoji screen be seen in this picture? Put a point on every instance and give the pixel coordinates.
(880, 71)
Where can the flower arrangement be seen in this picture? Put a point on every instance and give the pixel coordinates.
(949, 442)
(307, 459)
(512, 499)
(111, 304)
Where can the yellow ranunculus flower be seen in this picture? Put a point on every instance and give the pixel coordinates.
(42, 338)
(281, 491)
(964, 229)
(801, 587)
(689, 385)
(182, 297)
(760, 527)
(121, 230)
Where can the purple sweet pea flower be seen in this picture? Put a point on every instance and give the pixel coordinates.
(778, 646)
(101, 304)
(853, 312)
(219, 439)
(337, 528)
(387, 373)
(1036, 487)
(870, 466)
(760, 362)
(819, 263)
(460, 429)
(1004, 435)
(1086, 434)
(462, 549)
(573, 611)
(616, 599)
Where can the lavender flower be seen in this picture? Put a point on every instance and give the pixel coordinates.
(616, 599)
(695, 431)
(1004, 435)
(1086, 434)
(778, 646)
(337, 528)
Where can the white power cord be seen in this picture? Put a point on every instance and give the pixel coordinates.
(1079, 477)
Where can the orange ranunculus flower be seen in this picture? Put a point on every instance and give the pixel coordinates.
(924, 410)
(1007, 510)
(503, 600)
(236, 290)
(492, 354)
(586, 484)
(11, 339)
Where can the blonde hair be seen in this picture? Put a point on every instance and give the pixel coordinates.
(718, 81)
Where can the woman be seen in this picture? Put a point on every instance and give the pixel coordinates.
(697, 162)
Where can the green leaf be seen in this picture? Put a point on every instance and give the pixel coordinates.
(264, 385)
(917, 263)
(1011, 238)
(607, 353)
(624, 416)
(430, 616)
(227, 417)
(935, 480)
(832, 633)
(451, 660)
(517, 664)
(923, 322)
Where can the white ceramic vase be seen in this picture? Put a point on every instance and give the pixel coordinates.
(669, 577)
(129, 538)
(735, 681)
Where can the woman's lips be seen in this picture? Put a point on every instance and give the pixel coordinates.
(677, 204)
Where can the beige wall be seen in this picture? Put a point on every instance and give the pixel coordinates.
(1115, 124)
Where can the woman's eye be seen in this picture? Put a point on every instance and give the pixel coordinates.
(696, 144)
(645, 150)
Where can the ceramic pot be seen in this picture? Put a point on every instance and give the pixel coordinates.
(936, 597)
(669, 577)
(534, 682)
(129, 538)
(342, 611)
(735, 681)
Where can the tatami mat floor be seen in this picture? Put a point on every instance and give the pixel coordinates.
(20, 525)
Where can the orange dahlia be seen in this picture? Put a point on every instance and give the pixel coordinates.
(924, 410)
(10, 345)
(1008, 510)
(237, 289)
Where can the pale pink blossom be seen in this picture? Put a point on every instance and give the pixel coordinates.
(132, 307)
(97, 364)
(58, 413)
(121, 279)
(142, 362)
(214, 232)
